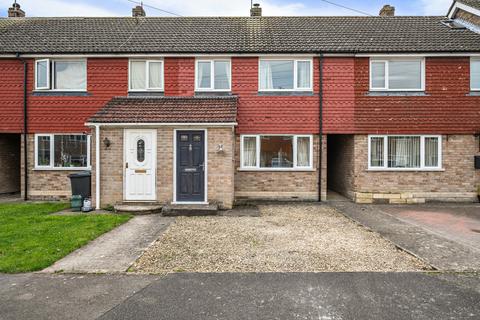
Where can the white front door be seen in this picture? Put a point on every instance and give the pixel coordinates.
(140, 164)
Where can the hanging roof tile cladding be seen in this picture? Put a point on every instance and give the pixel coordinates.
(233, 35)
(168, 110)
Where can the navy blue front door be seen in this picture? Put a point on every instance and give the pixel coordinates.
(190, 166)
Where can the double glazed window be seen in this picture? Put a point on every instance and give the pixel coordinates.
(213, 75)
(475, 74)
(291, 75)
(276, 152)
(61, 75)
(146, 75)
(54, 151)
(404, 152)
(397, 75)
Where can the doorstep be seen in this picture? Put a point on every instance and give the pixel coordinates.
(179, 209)
(138, 208)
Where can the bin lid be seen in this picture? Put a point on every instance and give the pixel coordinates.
(80, 174)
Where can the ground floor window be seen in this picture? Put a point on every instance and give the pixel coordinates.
(56, 151)
(272, 152)
(404, 152)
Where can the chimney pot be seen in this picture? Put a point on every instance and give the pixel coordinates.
(256, 10)
(15, 12)
(387, 11)
(138, 11)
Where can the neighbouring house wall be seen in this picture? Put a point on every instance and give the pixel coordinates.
(220, 166)
(281, 185)
(468, 17)
(457, 182)
(9, 163)
(44, 184)
(341, 159)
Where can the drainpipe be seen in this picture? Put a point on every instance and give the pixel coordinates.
(320, 127)
(25, 126)
(97, 167)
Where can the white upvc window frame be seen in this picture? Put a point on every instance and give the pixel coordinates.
(212, 74)
(147, 75)
(295, 151)
(295, 74)
(52, 153)
(477, 60)
(422, 152)
(386, 61)
(51, 75)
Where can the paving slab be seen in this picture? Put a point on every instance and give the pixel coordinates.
(116, 250)
(440, 251)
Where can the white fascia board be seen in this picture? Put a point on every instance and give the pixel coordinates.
(417, 55)
(161, 124)
(463, 7)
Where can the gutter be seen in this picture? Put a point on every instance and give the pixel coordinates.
(320, 126)
(25, 125)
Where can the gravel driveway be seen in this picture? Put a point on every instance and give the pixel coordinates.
(285, 238)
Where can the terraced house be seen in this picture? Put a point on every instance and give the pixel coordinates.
(214, 110)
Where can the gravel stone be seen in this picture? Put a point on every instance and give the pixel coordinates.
(285, 238)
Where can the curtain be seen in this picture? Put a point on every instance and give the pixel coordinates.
(138, 75)
(155, 75)
(70, 75)
(222, 75)
(405, 74)
(404, 152)
(431, 152)
(303, 74)
(204, 76)
(249, 151)
(378, 74)
(303, 152)
(475, 74)
(376, 152)
(266, 77)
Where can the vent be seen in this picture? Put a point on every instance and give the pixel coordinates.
(452, 24)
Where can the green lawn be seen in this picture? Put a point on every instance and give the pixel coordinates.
(31, 239)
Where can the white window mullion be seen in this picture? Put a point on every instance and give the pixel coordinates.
(258, 151)
(147, 75)
(385, 152)
(387, 75)
(212, 75)
(422, 152)
(52, 151)
(295, 75)
(295, 160)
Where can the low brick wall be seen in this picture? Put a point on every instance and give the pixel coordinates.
(280, 185)
(457, 181)
(9, 163)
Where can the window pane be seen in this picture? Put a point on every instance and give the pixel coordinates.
(303, 74)
(140, 150)
(222, 74)
(378, 74)
(43, 151)
(303, 152)
(70, 75)
(376, 152)
(137, 75)
(276, 152)
(276, 74)
(431, 152)
(42, 74)
(249, 151)
(404, 152)
(475, 74)
(204, 75)
(70, 151)
(155, 75)
(405, 74)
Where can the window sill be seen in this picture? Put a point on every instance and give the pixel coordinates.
(276, 170)
(213, 93)
(405, 170)
(396, 94)
(60, 93)
(285, 93)
(146, 93)
(62, 169)
(474, 93)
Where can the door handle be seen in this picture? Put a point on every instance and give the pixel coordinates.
(126, 165)
(202, 165)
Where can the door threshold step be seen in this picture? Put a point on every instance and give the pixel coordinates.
(190, 210)
(139, 208)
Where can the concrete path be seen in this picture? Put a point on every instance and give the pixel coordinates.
(440, 248)
(330, 296)
(116, 250)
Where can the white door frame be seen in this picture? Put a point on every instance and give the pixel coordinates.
(154, 163)
(205, 138)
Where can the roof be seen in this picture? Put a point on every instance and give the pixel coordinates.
(168, 110)
(164, 35)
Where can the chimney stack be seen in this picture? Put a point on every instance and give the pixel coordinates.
(15, 11)
(387, 11)
(138, 11)
(256, 10)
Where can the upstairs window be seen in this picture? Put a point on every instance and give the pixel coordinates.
(475, 74)
(293, 75)
(56, 151)
(213, 75)
(61, 75)
(397, 75)
(146, 75)
(404, 152)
